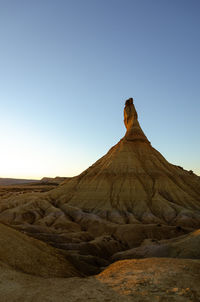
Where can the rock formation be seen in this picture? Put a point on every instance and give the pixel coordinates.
(130, 195)
(134, 183)
(134, 131)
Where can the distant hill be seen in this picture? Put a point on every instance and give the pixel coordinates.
(45, 180)
(56, 180)
(15, 181)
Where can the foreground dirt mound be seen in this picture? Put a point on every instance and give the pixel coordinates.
(32, 256)
(168, 280)
(154, 279)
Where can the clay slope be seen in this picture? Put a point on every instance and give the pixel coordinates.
(32, 256)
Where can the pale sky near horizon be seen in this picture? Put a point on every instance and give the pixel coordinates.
(67, 66)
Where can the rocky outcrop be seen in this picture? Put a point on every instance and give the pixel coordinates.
(55, 181)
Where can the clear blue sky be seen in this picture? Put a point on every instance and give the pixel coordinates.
(67, 66)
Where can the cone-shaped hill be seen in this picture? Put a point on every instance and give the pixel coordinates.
(134, 183)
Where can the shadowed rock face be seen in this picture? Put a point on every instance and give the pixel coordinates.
(129, 195)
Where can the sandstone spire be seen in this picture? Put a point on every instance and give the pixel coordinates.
(134, 131)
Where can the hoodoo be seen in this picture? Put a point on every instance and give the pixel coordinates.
(134, 183)
(134, 131)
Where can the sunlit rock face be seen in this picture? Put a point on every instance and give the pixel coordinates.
(134, 131)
